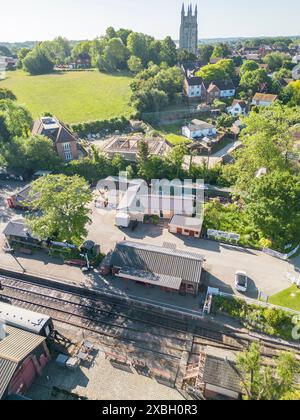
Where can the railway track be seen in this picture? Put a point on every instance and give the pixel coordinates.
(116, 322)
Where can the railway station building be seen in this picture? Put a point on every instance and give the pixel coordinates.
(23, 356)
(166, 267)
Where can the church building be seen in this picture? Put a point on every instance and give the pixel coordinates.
(189, 30)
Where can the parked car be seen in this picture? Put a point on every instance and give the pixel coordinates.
(241, 281)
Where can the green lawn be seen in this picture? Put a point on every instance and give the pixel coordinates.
(172, 132)
(289, 298)
(72, 96)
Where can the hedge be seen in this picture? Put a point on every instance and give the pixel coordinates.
(95, 127)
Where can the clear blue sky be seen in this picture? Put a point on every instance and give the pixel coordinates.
(22, 20)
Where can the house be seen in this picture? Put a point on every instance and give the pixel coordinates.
(264, 99)
(197, 129)
(221, 89)
(193, 87)
(64, 141)
(238, 108)
(23, 356)
(296, 72)
(165, 267)
(138, 202)
(187, 226)
(128, 146)
(16, 231)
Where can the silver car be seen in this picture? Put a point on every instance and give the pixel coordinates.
(241, 281)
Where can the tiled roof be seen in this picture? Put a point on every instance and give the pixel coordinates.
(223, 84)
(221, 373)
(265, 97)
(61, 134)
(162, 261)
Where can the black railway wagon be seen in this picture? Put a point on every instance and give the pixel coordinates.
(33, 322)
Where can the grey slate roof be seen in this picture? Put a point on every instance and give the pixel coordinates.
(7, 371)
(18, 229)
(221, 373)
(162, 261)
(151, 278)
(194, 81)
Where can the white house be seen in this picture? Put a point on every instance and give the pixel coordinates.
(193, 87)
(197, 128)
(264, 99)
(238, 108)
(296, 72)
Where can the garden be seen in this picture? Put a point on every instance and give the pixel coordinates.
(268, 320)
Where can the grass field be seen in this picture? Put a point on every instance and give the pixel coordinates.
(172, 132)
(72, 96)
(289, 298)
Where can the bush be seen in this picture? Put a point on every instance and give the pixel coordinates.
(271, 321)
(95, 127)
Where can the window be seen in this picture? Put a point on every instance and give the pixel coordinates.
(68, 155)
(67, 147)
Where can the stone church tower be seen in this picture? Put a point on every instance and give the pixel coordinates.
(189, 30)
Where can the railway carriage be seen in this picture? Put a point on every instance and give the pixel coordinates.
(26, 320)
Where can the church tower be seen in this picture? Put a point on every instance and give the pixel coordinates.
(189, 30)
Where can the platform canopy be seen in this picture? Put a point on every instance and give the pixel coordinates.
(159, 280)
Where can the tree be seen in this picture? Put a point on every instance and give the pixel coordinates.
(63, 203)
(261, 382)
(205, 52)
(150, 100)
(168, 52)
(124, 34)
(82, 51)
(175, 160)
(115, 55)
(221, 51)
(143, 157)
(225, 121)
(255, 81)
(267, 143)
(249, 65)
(22, 53)
(17, 119)
(274, 208)
(139, 45)
(292, 93)
(135, 64)
(38, 154)
(38, 62)
(213, 72)
(274, 61)
(7, 94)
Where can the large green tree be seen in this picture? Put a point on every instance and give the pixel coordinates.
(267, 382)
(38, 61)
(274, 208)
(63, 204)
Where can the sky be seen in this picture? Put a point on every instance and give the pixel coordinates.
(31, 20)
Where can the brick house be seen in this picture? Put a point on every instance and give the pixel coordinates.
(222, 89)
(64, 141)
